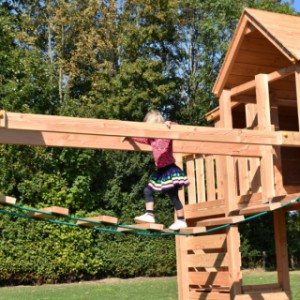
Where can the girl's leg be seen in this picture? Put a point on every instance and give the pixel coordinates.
(173, 193)
(148, 217)
(180, 223)
(149, 200)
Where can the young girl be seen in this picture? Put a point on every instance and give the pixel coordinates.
(167, 178)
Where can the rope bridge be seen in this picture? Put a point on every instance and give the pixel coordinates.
(109, 224)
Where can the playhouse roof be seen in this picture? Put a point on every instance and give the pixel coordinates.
(263, 42)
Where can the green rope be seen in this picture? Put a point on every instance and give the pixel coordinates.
(137, 231)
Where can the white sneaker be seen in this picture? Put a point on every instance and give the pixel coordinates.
(178, 225)
(145, 218)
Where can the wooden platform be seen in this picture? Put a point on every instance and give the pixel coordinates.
(7, 200)
(101, 219)
(53, 210)
(220, 221)
(148, 226)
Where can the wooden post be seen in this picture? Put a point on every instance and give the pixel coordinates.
(278, 179)
(251, 122)
(182, 269)
(268, 181)
(297, 80)
(264, 123)
(233, 238)
(282, 260)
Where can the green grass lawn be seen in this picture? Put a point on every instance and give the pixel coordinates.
(139, 289)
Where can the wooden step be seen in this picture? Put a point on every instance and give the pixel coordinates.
(255, 209)
(7, 200)
(148, 226)
(102, 219)
(220, 221)
(53, 210)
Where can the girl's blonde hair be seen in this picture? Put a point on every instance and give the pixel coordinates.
(154, 116)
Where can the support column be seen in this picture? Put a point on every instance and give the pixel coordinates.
(268, 181)
(264, 123)
(233, 237)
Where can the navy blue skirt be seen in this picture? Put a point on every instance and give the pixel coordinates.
(167, 178)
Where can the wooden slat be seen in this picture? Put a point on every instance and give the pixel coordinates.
(243, 176)
(209, 278)
(204, 209)
(210, 178)
(7, 200)
(219, 169)
(220, 221)
(262, 287)
(53, 210)
(190, 172)
(208, 296)
(254, 209)
(205, 205)
(264, 296)
(207, 260)
(181, 193)
(3, 120)
(102, 219)
(200, 179)
(216, 241)
(149, 226)
(251, 199)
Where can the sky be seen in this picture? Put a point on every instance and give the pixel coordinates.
(296, 4)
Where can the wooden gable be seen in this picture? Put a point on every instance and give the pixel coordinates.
(263, 43)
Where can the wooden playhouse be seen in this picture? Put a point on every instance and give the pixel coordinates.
(258, 89)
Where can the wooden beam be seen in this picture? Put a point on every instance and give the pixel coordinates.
(250, 85)
(276, 75)
(56, 139)
(227, 65)
(43, 123)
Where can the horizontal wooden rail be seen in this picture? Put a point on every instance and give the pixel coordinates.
(71, 140)
(46, 123)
